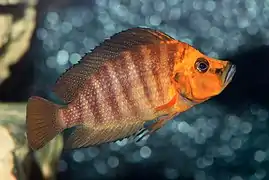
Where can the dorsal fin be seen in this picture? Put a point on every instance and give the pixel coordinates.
(68, 84)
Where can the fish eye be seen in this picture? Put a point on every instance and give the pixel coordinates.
(201, 65)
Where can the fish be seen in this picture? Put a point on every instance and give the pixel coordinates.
(129, 86)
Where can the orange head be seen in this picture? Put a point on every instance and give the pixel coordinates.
(198, 77)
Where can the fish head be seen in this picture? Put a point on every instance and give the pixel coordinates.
(199, 77)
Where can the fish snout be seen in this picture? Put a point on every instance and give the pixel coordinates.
(229, 73)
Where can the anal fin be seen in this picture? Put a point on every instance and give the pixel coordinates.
(84, 136)
(78, 138)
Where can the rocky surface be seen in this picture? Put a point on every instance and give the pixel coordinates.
(17, 22)
(17, 161)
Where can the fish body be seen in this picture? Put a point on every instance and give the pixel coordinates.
(134, 77)
(127, 88)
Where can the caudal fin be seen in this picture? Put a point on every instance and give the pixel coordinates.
(43, 122)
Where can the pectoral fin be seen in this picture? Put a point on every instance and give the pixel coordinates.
(168, 105)
(155, 125)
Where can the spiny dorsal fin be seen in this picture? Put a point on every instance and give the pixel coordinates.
(68, 84)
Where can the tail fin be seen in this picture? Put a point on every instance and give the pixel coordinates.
(43, 122)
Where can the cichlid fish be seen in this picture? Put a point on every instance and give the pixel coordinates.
(136, 76)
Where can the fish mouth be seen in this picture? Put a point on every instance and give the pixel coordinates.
(230, 72)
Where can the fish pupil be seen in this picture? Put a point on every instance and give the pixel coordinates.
(202, 65)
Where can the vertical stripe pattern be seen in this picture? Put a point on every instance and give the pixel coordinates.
(122, 94)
